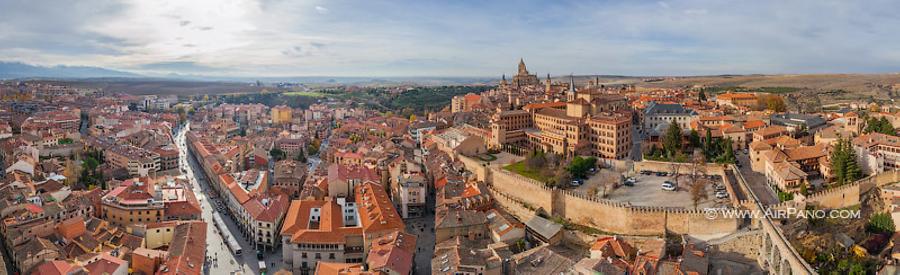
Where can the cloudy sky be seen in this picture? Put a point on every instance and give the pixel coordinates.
(454, 38)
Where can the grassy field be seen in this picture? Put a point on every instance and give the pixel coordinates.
(306, 94)
(522, 169)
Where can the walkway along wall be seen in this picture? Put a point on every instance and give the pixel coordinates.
(850, 194)
(516, 192)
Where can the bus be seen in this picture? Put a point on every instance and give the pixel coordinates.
(232, 244)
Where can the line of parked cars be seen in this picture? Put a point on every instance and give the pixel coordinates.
(721, 192)
(579, 181)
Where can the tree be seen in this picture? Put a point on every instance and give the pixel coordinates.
(880, 223)
(313, 146)
(70, 172)
(707, 143)
(702, 95)
(672, 140)
(844, 166)
(579, 166)
(301, 156)
(694, 139)
(879, 125)
(103, 184)
(727, 150)
(535, 160)
(698, 181)
(277, 154)
(562, 176)
(771, 102)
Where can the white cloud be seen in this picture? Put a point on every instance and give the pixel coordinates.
(383, 38)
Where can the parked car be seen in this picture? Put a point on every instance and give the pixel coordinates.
(720, 187)
(577, 182)
(645, 172)
(668, 186)
(662, 174)
(721, 195)
(629, 182)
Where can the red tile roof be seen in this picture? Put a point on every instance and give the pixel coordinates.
(392, 252)
(376, 211)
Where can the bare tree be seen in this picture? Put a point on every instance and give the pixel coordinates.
(674, 168)
(697, 178)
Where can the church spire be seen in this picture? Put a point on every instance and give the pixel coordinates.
(522, 69)
(571, 95)
(572, 83)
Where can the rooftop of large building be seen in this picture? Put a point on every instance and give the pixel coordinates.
(667, 109)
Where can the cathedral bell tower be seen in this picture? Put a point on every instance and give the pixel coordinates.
(570, 94)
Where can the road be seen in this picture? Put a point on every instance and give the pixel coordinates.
(423, 228)
(638, 138)
(756, 181)
(224, 261)
(313, 161)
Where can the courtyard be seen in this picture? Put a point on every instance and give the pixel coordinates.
(647, 191)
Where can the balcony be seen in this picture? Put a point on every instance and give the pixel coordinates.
(353, 249)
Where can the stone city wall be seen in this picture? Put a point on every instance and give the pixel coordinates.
(606, 215)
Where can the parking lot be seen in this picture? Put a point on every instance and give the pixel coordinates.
(647, 191)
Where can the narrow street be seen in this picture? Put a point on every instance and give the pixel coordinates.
(223, 261)
(756, 181)
(423, 228)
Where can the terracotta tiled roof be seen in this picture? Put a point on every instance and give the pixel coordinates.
(613, 246)
(71, 228)
(771, 130)
(105, 265)
(376, 211)
(329, 268)
(536, 106)
(187, 250)
(392, 253)
(329, 229)
(807, 152)
(754, 124)
(55, 268)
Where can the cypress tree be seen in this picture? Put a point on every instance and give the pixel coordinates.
(707, 145)
(837, 163)
(672, 139)
(852, 170)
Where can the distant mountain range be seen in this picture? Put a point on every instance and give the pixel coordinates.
(19, 70)
(11, 70)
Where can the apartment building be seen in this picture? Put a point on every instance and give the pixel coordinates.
(139, 201)
(657, 114)
(281, 114)
(336, 229)
(138, 162)
(877, 152)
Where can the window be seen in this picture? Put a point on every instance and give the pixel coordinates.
(303, 255)
(331, 256)
(318, 256)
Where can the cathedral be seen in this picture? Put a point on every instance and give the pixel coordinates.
(522, 78)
